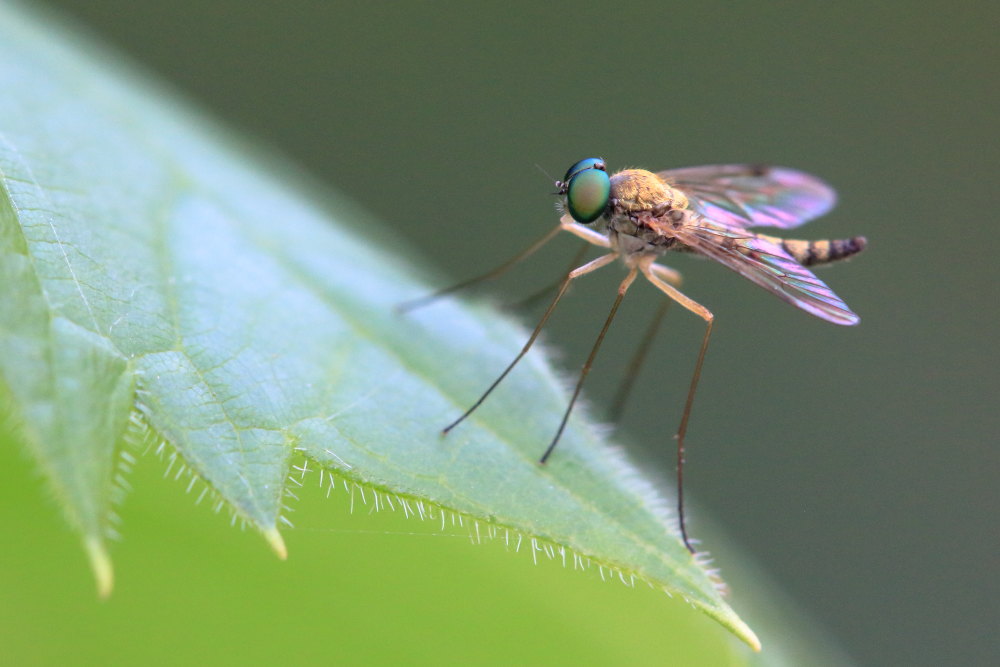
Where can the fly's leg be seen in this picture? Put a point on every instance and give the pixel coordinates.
(636, 362)
(531, 299)
(589, 235)
(593, 265)
(489, 275)
(651, 270)
(622, 289)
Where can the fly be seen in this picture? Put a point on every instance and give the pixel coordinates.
(638, 216)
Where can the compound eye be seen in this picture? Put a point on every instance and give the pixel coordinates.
(588, 191)
(582, 165)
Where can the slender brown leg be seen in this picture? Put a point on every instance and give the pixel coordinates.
(625, 284)
(649, 270)
(635, 364)
(593, 265)
(489, 275)
(531, 299)
(591, 236)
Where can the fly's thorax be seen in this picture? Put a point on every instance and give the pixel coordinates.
(629, 246)
(624, 223)
(634, 190)
(644, 232)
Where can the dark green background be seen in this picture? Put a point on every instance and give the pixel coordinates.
(858, 466)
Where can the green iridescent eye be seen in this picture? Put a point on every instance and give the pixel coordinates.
(587, 163)
(587, 191)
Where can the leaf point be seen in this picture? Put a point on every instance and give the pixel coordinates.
(277, 542)
(739, 628)
(100, 565)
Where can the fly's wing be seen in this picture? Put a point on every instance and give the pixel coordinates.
(742, 195)
(768, 265)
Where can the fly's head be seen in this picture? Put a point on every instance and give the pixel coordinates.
(586, 190)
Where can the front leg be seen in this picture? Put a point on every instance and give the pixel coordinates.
(586, 233)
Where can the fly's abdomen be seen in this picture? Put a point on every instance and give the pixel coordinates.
(811, 253)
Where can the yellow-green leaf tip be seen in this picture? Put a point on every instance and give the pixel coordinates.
(100, 564)
(729, 619)
(277, 542)
(743, 631)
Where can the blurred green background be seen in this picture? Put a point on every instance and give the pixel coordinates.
(857, 466)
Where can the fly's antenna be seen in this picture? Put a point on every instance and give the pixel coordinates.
(559, 184)
(547, 174)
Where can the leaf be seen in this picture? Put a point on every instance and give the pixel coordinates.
(158, 274)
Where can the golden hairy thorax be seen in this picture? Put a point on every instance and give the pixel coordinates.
(639, 201)
(634, 190)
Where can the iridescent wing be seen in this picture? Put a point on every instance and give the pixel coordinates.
(742, 195)
(768, 265)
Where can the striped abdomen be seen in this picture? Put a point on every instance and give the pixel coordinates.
(810, 253)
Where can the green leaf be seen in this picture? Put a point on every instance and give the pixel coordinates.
(161, 277)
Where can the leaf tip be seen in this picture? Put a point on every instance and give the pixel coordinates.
(100, 564)
(743, 631)
(753, 640)
(277, 542)
(728, 618)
